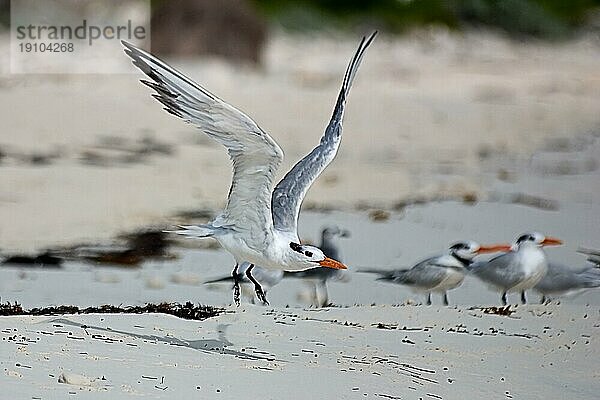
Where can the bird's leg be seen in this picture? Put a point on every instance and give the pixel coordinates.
(236, 285)
(429, 298)
(523, 298)
(504, 301)
(325, 300)
(446, 299)
(257, 287)
(321, 296)
(315, 297)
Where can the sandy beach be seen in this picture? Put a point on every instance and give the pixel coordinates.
(379, 341)
(446, 137)
(361, 352)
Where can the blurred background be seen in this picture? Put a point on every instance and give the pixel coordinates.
(462, 102)
(238, 29)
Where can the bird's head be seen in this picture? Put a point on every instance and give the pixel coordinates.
(330, 232)
(308, 256)
(536, 239)
(468, 249)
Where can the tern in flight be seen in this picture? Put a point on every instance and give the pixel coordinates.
(440, 273)
(259, 222)
(518, 270)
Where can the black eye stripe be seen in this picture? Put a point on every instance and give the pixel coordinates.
(296, 247)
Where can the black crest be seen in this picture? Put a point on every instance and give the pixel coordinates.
(525, 238)
(459, 246)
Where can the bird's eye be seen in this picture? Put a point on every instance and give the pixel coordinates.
(308, 254)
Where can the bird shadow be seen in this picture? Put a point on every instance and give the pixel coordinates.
(215, 346)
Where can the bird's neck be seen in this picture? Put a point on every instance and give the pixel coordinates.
(464, 261)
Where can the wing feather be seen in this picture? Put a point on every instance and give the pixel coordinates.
(255, 155)
(290, 191)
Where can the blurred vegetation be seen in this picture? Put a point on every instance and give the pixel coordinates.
(4, 13)
(544, 19)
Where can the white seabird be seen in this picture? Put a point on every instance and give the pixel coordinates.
(562, 280)
(259, 223)
(440, 273)
(518, 270)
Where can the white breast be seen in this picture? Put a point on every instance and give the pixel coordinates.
(452, 280)
(533, 264)
(235, 244)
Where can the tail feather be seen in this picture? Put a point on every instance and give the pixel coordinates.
(373, 271)
(197, 231)
(219, 280)
(591, 278)
(384, 274)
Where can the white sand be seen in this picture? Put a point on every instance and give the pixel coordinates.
(417, 352)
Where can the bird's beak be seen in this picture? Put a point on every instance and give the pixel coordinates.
(494, 248)
(331, 263)
(550, 241)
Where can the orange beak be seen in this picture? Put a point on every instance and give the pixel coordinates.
(331, 263)
(550, 241)
(494, 248)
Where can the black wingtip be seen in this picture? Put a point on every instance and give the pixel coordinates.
(371, 38)
(129, 48)
(132, 51)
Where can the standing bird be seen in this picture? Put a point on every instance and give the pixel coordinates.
(564, 280)
(440, 273)
(319, 276)
(518, 270)
(328, 241)
(259, 224)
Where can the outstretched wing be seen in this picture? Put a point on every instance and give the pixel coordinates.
(289, 193)
(254, 154)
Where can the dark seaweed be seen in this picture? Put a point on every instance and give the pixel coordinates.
(185, 311)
